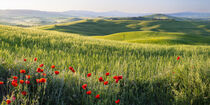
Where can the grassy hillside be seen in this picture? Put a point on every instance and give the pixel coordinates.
(158, 38)
(105, 27)
(151, 73)
(183, 32)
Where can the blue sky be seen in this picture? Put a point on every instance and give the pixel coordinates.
(133, 6)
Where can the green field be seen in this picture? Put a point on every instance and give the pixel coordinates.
(140, 31)
(151, 73)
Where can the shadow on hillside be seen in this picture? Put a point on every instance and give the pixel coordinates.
(106, 27)
(187, 27)
(3, 77)
(93, 28)
(157, 92)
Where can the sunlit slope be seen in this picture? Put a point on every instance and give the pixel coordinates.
(151, 73)
(100, 27)
(158, 37)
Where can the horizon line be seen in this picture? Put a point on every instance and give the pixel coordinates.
(110, 11)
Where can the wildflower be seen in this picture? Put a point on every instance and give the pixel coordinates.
(107, 74)
(89, 74)
(42, 70)
(57, 72)
(173, 72)
(97, 96)
(120, 77)
(14, 84)
(23, 71)
(178, 58)
(106, 82)
(27, 82)
(1, 82)
(84, 86)
(14, 81)
(42, 80)
(24, 93)
(25, 60)
(115, 77)
(41, 65)
(28, 76)
(88, 92)
(117, 102)
(72, 69)
(38, 70)
(35, 59)
(8, 101)
(37, 81)
(15, 77)
(44, 74)
(117, 80)
(53, 66)
(21, 81)
(101, 79)
(13, 98)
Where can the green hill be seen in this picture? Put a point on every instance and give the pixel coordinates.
(158, 38)
(171, 31)
(151, 73)
(163, 17)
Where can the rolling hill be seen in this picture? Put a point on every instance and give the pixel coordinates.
(36, 18)
(177, 32)
(152, 75)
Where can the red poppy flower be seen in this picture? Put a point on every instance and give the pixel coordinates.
(14, 81)
(25, 60)
(14, 84)
(35, 59)
(84, 86)
(71, 68)
(21, 81)
(24, 93)
(1, 83)
(37, 81)
(178, 58)
(73, 71)
(28, 76)
(15, 77)
(115, 77)
(120, 77)
(8, 101)
(42, 80)
(57, 72)
(97, 96)
(41, 65)
(27, 82)
(22, 71)
(117, 80)
(89, 74)
(13, 98)
(106, 82)
(88, 92)
(107, 74)
(117, 102)
(38, 70)
(44, 74)
(101, 79)
(42, 70)
(53, 66)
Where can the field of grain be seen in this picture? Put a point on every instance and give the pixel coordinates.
(152, 74)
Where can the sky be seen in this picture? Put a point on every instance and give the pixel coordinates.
(131, 6)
